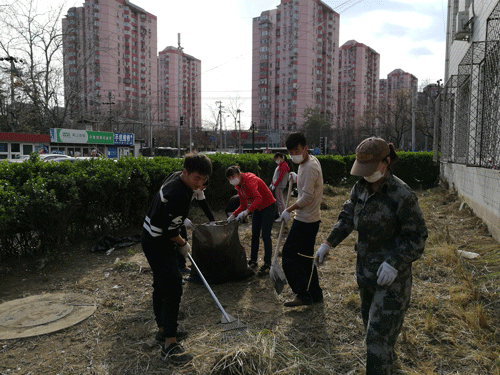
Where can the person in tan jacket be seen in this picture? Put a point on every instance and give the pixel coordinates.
(298, 249)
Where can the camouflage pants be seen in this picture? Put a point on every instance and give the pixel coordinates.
(383, 310)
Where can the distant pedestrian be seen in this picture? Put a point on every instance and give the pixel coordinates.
(391, 236)
(280, 181)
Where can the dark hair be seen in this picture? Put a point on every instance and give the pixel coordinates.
(296, 139)
(279, 155)
(392, 154)
(232, 170)
(199, 163)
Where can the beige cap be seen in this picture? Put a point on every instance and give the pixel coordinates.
(369, 153)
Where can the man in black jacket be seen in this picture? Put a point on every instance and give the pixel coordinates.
(161, 240)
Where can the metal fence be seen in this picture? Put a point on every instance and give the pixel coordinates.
(470, 104)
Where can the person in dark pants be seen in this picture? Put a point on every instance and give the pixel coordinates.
(161, 240)
(298, 249)
(391, 236)
(252, 188)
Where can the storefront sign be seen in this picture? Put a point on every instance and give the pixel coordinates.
(123, 139)
(80, 136)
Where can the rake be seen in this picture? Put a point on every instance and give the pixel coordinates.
(276, 274)
(230, 326)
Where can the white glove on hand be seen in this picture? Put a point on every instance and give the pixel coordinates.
(321, 253)
(188, 223)
(212, 223)
(185, 250)
(285, 216)
(272, 187)
(293, 176)
(242, 215)
(386, 274)
(230, 218)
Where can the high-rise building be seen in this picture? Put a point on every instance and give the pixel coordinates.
(110, 63)
(169, 95)
(398, 80)
(294, 64)
(359, 68)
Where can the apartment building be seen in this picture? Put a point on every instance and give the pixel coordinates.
(396, 81)
(179, 81)
(294, 63)
(110, 63)
(358, 84)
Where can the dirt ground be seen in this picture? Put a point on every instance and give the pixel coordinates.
(452, 327)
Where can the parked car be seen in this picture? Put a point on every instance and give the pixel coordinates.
(66, 158)
(47, 157)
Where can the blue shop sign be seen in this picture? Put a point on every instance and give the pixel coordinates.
(123, 139)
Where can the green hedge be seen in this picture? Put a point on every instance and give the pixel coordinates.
(45, 204)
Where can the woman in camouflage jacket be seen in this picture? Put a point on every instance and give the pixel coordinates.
(391, 236)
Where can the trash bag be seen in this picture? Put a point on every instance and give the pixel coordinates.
(218, 253)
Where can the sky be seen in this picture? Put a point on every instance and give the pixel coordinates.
(408, 34)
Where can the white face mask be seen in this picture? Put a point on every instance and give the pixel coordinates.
(278, 162)
(374, 177)
(234, 181)
(297, 159)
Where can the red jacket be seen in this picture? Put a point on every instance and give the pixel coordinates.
(252, 188)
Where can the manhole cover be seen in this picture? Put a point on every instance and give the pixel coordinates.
(38, 315)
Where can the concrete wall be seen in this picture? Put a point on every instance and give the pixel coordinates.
(480, 189)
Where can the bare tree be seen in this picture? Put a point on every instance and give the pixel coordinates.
(34, 38)
(395, 117)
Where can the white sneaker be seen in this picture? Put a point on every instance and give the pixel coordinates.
(278, 220)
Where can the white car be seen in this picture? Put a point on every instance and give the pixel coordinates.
(47, 157)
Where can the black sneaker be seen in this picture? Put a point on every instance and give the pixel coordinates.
(160, 336)
(175, 354)
(264, 270)
(252, 264)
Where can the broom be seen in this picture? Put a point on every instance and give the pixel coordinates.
(276, 274)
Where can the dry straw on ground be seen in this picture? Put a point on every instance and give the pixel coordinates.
(452, 326)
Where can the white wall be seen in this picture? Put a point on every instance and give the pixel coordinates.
(480, 189)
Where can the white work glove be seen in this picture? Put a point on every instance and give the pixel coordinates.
(293, 176)
(188, 223)
(230, 218)
(242, 215)
(285, 216)
(212, 223)
(272, 187)
(321, 253)
(386, 274)
(185, 250)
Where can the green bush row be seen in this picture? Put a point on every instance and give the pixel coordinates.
(46, 204)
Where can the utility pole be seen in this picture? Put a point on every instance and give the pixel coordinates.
(238, 113)
(179, 114)
(219, 120)
(253, 137)
(110, 103)
(13, 72)
(190, 136)
(413, 120)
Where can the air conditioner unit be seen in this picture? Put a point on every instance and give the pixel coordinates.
(463, 26)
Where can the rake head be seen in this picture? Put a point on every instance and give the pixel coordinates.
(231, 327)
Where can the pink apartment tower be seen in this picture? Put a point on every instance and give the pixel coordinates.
(294, 64)
(110, 64)
(358, 87)
(189, 97)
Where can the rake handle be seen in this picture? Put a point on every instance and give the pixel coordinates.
(209, 289)
(288, 195)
